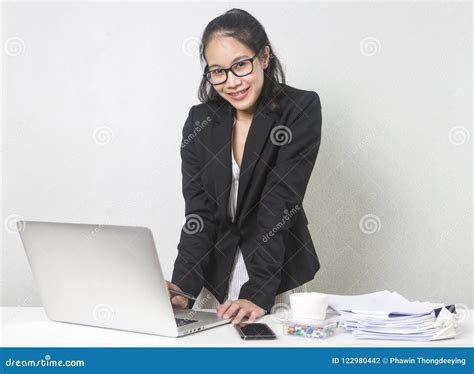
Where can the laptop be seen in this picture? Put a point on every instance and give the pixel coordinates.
(105, 276)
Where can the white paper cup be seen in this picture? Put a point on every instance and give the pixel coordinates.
(308, 307)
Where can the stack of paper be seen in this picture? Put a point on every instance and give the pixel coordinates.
(388, 315)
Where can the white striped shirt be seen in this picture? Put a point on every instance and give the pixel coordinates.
(239, 273)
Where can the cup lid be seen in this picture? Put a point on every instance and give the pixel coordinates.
(308, 321)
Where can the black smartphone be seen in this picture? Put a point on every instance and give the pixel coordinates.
(255, 331)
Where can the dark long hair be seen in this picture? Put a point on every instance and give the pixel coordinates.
(241, 25)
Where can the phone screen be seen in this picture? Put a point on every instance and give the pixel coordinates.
(255, 331)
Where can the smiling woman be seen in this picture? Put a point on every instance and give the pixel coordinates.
(243, 174)
(237, 42)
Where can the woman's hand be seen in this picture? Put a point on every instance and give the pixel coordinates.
(177, 301)
(238, 310)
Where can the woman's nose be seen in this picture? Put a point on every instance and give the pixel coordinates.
(233, 81)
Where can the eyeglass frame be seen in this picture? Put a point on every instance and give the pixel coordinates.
(226, 70)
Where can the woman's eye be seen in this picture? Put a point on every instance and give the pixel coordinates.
(217, 72)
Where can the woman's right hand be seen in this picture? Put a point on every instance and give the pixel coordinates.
(177, 301)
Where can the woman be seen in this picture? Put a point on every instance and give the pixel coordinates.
(247, 155)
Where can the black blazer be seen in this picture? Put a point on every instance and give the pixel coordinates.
(270, 223)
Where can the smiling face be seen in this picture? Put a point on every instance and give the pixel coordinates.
(241, 92)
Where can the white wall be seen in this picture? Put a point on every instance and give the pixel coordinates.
(397, 136)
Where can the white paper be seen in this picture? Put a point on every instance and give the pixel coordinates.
(381, 303)
(388, 315)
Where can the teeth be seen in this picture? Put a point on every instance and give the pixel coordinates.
(238, 93)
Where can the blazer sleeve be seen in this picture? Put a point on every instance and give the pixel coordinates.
(284, 190)
(198, 232)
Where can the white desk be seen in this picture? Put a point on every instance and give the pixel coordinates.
(29, 327)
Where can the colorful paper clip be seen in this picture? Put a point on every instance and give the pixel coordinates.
(310, 331)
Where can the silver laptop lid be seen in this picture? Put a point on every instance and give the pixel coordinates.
(99, 275)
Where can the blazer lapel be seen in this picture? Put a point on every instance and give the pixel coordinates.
(259, 132)
(258, 135)
(221, 137)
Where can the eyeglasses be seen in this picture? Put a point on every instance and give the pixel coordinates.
(239, 69)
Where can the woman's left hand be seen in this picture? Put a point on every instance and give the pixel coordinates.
(238, 310)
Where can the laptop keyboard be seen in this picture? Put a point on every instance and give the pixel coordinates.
(184, 321)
